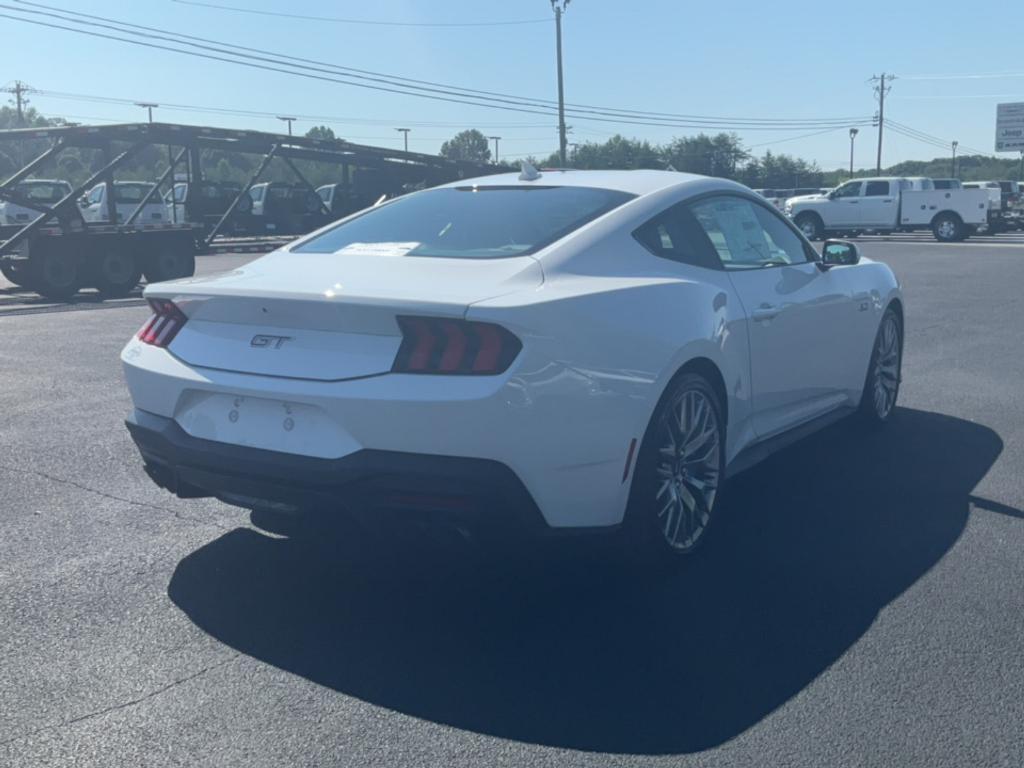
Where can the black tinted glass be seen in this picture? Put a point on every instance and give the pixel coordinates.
(470, 222)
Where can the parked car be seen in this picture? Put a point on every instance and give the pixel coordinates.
(286, 209)
(407, 360)
(44, 192)
(206, 202)
(1002, 195)
(889, 204)
(127, 196)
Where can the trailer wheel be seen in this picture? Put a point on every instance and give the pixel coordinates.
(16, 273)
(55, 275)
(947, 228)
(169, 262)
(115, 272)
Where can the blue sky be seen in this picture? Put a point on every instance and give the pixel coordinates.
(795, 60)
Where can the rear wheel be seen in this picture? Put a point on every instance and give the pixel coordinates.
(678, 473)
(16, 272)
(947, 228)
(882, 386)
(55, 274)
(115, 272)
(811, 225)
(169, 262)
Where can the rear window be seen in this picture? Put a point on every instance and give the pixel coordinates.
(469, 222)
(131, 193)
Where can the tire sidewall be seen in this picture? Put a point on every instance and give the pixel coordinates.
(867, 405)
(643, 538)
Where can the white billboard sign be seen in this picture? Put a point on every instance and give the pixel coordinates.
(1010, 127)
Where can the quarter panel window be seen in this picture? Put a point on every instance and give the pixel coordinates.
(676, 235)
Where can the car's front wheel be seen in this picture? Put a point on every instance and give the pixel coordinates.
(678, 473)
(811, 225)
(882, 386)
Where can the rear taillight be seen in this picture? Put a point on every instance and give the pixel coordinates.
(164, 325)
(454, 347)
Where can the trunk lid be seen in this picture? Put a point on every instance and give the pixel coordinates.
(327, 317)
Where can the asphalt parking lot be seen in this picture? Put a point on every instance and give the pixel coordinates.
(861, 603)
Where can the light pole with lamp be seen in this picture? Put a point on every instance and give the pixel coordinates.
(405, 135)
(853, 135)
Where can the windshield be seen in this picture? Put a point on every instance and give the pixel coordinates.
(43, 191)
(469, 222)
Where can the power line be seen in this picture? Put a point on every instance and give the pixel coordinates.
(394, 84)
(335, 19)
(977, 76)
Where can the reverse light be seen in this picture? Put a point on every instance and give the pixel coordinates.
(164, 325)
(454, 347)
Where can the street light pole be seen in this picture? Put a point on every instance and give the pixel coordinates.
(148, 106)
(288, 120)
(559, 7)
(405, 135)
(496, 139)
(853, 135)
(952, 173)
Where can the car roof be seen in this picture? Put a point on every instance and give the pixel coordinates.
(638, 182)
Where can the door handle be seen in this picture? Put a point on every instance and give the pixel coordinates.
(765, 312)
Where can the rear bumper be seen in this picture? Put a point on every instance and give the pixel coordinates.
(477, 495)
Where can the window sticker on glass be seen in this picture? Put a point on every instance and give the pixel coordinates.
(377, 249)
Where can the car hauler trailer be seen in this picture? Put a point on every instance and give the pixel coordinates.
(59, 251)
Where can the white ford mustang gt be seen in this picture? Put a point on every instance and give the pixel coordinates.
(561, 350)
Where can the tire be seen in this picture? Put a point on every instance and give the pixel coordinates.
(811, 225)
(55, 274)
(115, 272)
(947, 228)
(170, 262)
(14, 272)
(244, 204)
(882, 383)
(672, 498)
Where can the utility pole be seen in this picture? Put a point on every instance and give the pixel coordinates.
(19, 89)
(559, 7)
(288, 120)
(952, 166)
(853, 135)
(147, 105)
(496, 139)
(882, 90)
(405, 135)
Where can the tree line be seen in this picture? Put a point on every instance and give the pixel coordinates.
(721, 154)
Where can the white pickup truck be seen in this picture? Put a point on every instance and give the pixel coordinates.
(890, 204)
(44, 192)
(127, 196)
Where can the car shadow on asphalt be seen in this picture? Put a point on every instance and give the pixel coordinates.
(563, 648)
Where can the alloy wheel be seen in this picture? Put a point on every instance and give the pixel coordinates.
(887, 367)
(688, 469)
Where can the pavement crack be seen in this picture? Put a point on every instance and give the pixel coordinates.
(112, 497)
(124, 704)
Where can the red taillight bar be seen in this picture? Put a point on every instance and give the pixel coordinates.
(164, 325)
(454, 347)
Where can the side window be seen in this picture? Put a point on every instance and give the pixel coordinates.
(877, 189)
(746, 235)
(849, 189)
(674, 234)
(96, 195)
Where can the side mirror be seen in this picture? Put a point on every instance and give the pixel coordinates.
(838, 253)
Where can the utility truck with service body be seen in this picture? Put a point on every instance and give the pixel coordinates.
(891, 204)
